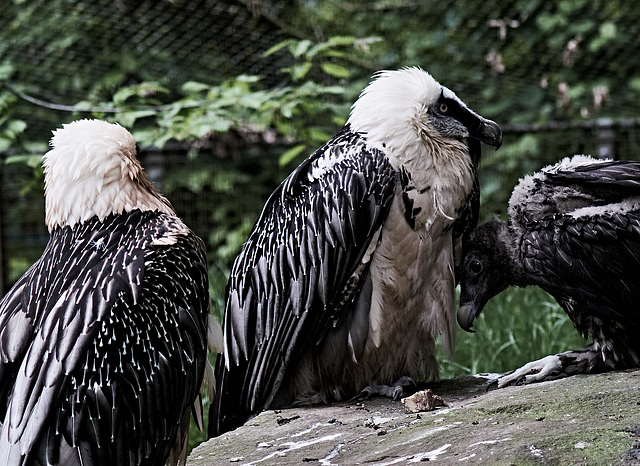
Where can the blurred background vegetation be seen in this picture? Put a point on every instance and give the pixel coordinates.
(226, 97)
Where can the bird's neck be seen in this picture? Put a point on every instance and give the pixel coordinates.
(70, 201)
(515, 273)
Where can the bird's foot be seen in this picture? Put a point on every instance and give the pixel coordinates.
(404, 386)
(582, 361)
(547, 368)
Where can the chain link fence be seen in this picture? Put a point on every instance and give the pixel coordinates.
(206, 39)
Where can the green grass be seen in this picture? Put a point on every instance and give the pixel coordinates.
(515, 327)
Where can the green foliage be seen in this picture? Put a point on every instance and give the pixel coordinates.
(325, 54)
(10, 128)
(9, 131)
(305, 113)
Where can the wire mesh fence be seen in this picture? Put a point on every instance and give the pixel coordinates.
(205, 40)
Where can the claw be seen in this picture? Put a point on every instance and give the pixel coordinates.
(397, 393)
(408, 385)
(404, 386)
(364, 394)
(494, 383)
(547, 368)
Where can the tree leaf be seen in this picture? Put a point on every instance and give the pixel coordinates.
(336, 71)
(299, 48)
(291, 154)
(277, 47)
(193, 87)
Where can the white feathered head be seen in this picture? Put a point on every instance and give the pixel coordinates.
(406, 113)
(92, 170)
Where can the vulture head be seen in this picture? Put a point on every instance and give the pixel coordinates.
(405, 112)
(487, 269)
(92, 170)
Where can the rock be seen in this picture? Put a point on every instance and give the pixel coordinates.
(584, 419)
(423, 400)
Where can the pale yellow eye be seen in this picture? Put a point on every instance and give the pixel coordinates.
(444, 108)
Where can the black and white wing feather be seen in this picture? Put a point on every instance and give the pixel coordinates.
(300, 271)
(102, 343)
(616, 178)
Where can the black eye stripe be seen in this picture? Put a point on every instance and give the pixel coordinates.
(453, 107)
(457, 111)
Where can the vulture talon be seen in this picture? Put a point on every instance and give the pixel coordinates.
(397, 393)
(364, 394)
(402, 387)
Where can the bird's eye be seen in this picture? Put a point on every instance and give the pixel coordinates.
(444, 108)
(475, 266)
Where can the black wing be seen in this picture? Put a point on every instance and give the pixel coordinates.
(296, 272)
(103, 343)
(609, 179)
(590, 254)
(467, 216)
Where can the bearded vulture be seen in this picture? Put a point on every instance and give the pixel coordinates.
(574, 231)
(347, 277)
(103, 339)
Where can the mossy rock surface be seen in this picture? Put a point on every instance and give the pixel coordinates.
(580, 420)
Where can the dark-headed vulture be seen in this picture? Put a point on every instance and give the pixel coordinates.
(574, 231)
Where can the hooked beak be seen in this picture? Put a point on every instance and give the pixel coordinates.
(488, 132)
(466, 315)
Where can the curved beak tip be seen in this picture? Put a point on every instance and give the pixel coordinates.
(487, 131)
(465, 316)
(499, 142)
(491, 134)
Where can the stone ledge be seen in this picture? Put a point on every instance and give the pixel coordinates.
(584, 419)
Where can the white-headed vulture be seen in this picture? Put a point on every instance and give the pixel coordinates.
(347, 277)
(574, 231)
(103, 340)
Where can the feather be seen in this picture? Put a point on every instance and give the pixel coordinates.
(17, 330)
(359, 320)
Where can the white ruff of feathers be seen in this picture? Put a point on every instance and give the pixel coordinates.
(392, 111)
(92, 170)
